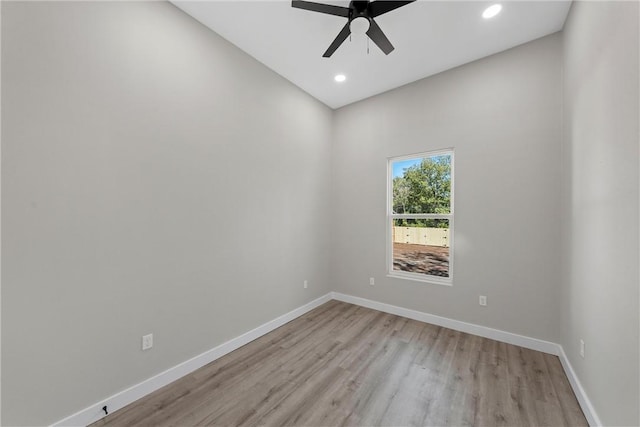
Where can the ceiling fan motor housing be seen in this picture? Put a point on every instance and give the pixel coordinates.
(359, 6)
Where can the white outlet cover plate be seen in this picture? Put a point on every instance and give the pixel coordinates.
(147, 342)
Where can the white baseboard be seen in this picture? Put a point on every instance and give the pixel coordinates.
(470, 328)
(581, 395)
(119, 400)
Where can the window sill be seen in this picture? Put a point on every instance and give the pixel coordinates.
(434, 280)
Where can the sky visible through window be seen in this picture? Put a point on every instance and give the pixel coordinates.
(400, 166)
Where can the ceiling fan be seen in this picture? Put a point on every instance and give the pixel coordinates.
(360, 16)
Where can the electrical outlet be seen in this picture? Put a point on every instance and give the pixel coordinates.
(483, 300)
(147, 342)
(372, 281)
(581, 348)
(306, 284)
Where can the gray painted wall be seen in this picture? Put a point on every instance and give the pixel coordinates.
(154, 179)
(502, 115)
(600, 209)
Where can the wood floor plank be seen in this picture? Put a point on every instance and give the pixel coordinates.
(345, 365)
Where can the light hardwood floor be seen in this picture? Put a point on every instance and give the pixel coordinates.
(341, 364)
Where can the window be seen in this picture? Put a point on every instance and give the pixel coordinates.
(420, 217)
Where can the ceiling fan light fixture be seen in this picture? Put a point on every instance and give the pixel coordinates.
(359, 25)
(340, 78)
(492, 11)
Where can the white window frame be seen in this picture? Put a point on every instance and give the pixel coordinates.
(447, 281)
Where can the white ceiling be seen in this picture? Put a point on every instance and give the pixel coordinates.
(429, 37)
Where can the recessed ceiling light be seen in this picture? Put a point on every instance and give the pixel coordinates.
(340, 78)
(492, 11)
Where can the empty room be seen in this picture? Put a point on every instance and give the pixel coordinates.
(293, 213)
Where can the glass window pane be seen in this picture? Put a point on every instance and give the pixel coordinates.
(422, 185)
(421, 246)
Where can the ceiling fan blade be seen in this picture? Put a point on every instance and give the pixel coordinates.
(378, 7)
(322, 8)
(377, 36)
(342, 36)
